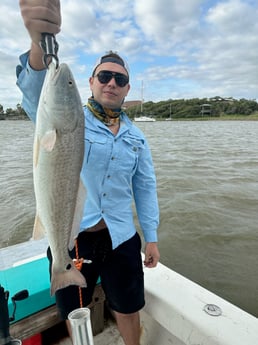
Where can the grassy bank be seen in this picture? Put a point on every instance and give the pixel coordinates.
(235, 117)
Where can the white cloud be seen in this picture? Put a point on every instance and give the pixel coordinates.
(222, 60)
(233, 16)
(167, 22)
(183, 49)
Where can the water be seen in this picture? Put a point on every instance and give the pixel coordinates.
(17, 202)
(207, 174)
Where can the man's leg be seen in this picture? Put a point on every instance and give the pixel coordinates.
(129, 327)
(123, 284)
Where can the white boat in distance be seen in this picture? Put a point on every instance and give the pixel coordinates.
(144, 119)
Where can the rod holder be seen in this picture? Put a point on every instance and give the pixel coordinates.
(81, 326)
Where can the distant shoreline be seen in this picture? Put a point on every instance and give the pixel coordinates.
(253, 117)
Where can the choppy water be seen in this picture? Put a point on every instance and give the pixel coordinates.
(207, 175)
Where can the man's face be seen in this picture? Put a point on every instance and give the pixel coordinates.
(109, 95)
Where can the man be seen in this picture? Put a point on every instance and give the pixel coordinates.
(117, 168)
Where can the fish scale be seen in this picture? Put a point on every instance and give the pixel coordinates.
(58, 156)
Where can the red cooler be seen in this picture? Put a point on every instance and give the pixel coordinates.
(34, 340)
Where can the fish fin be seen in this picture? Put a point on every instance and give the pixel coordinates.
(78, 212)
(48, 140)
(36, 151)
(38, 230)
(66, 278)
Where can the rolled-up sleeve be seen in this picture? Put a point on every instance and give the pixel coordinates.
(30, 83)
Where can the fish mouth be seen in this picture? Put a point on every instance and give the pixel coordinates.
(62, 71)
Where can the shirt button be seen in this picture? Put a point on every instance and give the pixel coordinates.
(108, 176)
(112, 158)
(104, 194)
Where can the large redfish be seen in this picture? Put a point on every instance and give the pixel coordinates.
(58, 157)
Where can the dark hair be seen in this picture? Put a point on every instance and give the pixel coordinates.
(111, 57)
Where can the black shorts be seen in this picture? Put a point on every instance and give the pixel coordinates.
(120, 270)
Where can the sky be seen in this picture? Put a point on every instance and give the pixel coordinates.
(175, 49)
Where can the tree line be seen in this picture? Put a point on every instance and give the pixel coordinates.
(175, 109)
(13, 114)
(195, 108)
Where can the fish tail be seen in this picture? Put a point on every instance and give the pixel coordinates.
(66, 278)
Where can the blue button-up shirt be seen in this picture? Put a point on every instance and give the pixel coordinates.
(117, 169)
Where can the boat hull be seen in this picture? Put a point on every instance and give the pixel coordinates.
(144, 119)
(175, 311)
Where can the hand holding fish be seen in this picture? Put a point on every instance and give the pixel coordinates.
(41, 16)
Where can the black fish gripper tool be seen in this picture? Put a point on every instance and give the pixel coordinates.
(49, 46)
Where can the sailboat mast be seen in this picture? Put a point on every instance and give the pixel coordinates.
(142, 97)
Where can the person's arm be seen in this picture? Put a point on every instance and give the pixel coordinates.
(38, 16)
(151, 254)
(30, 83)
(36, 57)
(145, 195)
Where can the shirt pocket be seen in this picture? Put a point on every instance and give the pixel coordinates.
(133, 148)
(95, 150)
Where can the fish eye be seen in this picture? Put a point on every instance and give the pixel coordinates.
(69, 266)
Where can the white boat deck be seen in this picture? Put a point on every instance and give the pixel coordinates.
(174, 312)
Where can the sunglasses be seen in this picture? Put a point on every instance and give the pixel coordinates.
(104, 77)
